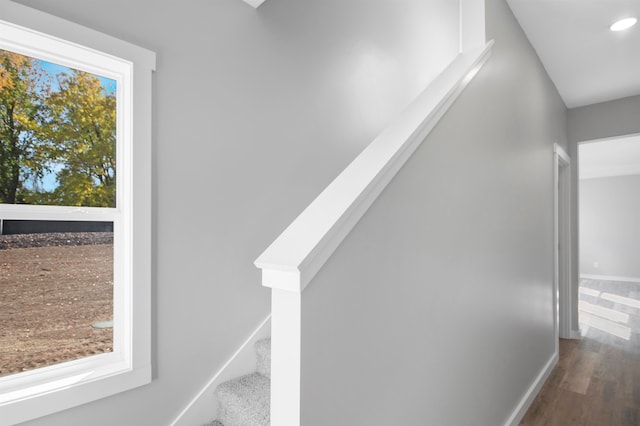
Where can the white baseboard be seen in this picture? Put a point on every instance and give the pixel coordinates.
(532, 392)
(610, 278)
(575, 334)
(202, 408)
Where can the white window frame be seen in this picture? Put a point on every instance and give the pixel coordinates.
(39, 392)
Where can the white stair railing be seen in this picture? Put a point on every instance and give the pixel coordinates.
(294, 258)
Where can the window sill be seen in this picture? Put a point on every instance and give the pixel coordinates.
(51, 389)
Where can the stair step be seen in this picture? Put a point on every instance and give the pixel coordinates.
(244, 401)
(263, 350)
(214, 423)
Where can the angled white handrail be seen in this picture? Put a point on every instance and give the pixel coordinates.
(293, 259)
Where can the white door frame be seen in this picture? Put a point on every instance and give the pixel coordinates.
(562, 245)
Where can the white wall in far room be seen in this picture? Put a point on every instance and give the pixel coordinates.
(610, 226)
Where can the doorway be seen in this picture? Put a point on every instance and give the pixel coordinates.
(609, 267)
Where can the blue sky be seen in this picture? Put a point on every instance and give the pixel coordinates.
(52, 69)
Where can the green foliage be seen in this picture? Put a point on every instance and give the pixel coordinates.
(70, 131)
(83, 134)
(20, 106)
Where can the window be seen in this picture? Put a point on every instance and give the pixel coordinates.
(75, 184)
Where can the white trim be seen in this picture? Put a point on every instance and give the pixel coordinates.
(556, 254)
(25, 396)
(562, 295)
(286, 345)
(74, 34)
(30, 212)
(610, 278)
(524, 404)
(202, 409)
(293, 259)
(561, 153)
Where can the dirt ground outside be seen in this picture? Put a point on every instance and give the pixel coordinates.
(52, 289)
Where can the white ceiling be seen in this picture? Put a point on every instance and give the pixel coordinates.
(612, 157)
(587, 62)
(254, 3)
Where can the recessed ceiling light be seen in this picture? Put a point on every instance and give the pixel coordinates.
(623, 24)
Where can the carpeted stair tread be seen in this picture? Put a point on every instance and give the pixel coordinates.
(244, 401)
(263, 350)
(214, 423)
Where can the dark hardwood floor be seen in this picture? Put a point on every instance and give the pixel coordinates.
(597, 379)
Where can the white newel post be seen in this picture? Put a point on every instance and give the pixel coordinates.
(284, 279)
(285, 357)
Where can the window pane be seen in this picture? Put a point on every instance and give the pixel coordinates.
(56, 292)
(57, 134)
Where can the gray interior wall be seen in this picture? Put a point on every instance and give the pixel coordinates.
(604, 120)
(609, 226)
(256, 111)
(437, 309)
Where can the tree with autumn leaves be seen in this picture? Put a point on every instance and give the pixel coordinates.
(68, 132)
(20, 107)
